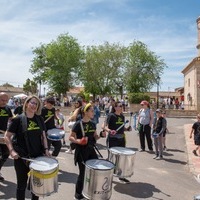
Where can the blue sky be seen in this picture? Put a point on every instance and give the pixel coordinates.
(168, 28)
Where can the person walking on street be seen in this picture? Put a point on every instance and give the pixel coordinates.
(196, 131)
(49, 116)
(114, 127)
(5, 117)
(145, 122)
(26, 138)
(158, 130)
(84, 135)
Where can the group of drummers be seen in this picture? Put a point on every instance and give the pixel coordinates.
(29, 135)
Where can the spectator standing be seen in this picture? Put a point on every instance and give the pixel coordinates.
(145, 122)
(158, 130)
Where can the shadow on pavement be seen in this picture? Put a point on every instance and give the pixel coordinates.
(138, 190)
(67, 177)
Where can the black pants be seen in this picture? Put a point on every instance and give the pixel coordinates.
(81, 160)
(4, 154)
(57, 146)
(145, 131)
(22, 170)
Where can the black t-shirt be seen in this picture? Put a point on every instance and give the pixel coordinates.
(18, 110)
(115, 121)
(5, 114)
(89, 130)
(46, 113)
(34, 135)
(196, 127)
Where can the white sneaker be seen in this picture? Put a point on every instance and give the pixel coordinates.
(69, 151)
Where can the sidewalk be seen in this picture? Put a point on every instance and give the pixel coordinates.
(193, 161)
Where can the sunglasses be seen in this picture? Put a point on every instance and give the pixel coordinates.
(119, 106)
(33, 103)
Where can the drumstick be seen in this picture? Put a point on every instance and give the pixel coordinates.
(32, 160)
(82, 130)
(48, 119)
(122, 125)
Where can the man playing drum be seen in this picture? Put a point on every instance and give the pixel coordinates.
(5, 116)
(48, 114)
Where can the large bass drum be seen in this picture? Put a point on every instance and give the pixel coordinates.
(98, 179)
(44, 176)
(123, 158)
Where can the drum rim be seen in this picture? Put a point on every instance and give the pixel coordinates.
(97, 168)
(47, 171)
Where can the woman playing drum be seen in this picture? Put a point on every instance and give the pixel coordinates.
(29, 141)
(115, 127)
(84, 135)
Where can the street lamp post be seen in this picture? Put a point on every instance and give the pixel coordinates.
(158, 84)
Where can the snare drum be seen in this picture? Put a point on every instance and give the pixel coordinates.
(98, 179)
(123, 158)
(55, 134)
(44, 176)
(2, 141)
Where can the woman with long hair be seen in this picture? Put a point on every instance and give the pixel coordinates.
(29, 141)
(84, 135)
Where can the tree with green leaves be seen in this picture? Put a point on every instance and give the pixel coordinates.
(143, 68)
(102, 69)
(57, 63)
(30, 87)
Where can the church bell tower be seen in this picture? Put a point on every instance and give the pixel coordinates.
(198, 42)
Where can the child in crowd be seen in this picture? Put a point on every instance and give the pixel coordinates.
(196, 131)
(158, 130)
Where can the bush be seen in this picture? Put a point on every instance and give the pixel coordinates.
(136, 98)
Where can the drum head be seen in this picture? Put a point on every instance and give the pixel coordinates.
(55, 131)
(99, 164)
(44, 164)
(121, 150)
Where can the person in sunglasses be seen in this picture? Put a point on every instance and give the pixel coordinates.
(26, 138)
(145, 122)
(114, 127)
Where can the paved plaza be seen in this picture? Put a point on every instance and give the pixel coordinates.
(171, 178)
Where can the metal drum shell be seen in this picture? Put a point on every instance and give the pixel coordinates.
(44, 180)
(98, 179)
(55, 134)
(123, 158)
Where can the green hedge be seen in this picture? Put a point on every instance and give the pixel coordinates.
(138, 97)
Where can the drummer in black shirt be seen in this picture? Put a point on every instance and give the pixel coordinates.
(26, 138)
(49, 116)
(116, 135)
(84, 135)
(5, 117)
